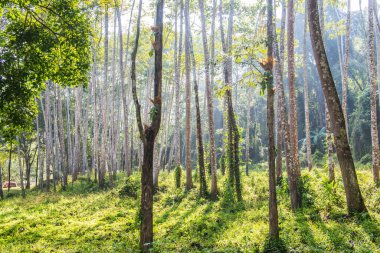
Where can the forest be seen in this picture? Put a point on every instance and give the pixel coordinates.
(189, 126)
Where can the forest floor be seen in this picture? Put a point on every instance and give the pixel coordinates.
(86, 219)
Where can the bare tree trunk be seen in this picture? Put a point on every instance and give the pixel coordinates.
(372, 76)
(201, 162)
(78, 115)
(61, 132)
(148, 133)
(273, 212)
(20, 168)
(354, 198)
(292, 93)
(306, 96)
(247, 146)
(123, 88)
(345, 64)
(57, 146)
(209, 89)
(47, 138)
(177, 77)
(189, 181)
(69, 144)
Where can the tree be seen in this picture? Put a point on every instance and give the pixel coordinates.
(292, 94)
(209, 84)
(189, 181)
(345, 64)
(354, 198)
(273, 212)
(306, 96)
(373, 80)
(148, 133)
(201, 163)
(232, 130)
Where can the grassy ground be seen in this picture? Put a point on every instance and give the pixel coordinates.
(86, 219)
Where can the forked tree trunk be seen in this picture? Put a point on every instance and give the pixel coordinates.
(354, 198)
(148, 133)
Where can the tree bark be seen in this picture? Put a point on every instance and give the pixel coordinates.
(189, 181)
(148, 133)
(20, 168)
(345, 64)
(201, 162)
(354, 198)
(273, 212)
(372, 77)
(292, 91)
(306, 96)
(209, 89)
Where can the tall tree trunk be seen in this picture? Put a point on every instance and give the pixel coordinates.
(306, 96)
(372, 77)
(57, 146)
(61, 139)
(78, 115)
(47, 137)
(354, 198)
(209, 89)
(201, 162)
(20, 168)
(189, 181)
(9, 166)
(148, 133)
(292, 92)
(247, 146)
(293, 176)
(273, 212)
(177, 77)
(330, 148)
(345, 64)
(279, 53)
(232, 130)
(69, 143)
(123, 88)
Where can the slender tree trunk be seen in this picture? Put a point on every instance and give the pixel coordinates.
(209, 89)
(372, 76)
(57, 146)
(201, 162)
(123, 89)
(78, 115)
(47, 138)
(177, 77)
(292, 92)
(306, 96)
(354, 198)
(189, 181)
(9, 167)
(273, 212)
(69, 145)
(20, 168)
(247, 146)
(1, 181)
(345, 64)
(149, 133)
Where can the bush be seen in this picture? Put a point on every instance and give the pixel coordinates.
(177, 176)
(366, 159)
(130, 188)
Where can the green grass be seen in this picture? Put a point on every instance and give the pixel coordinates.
(86, 219)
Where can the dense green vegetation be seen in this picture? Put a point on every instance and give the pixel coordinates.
(86, 219)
